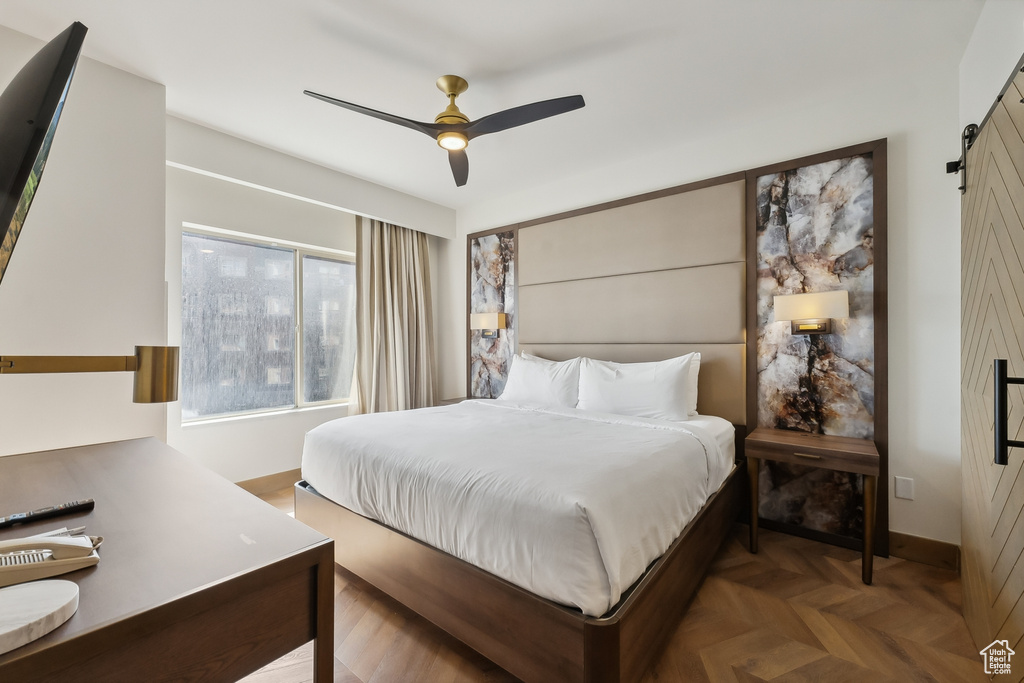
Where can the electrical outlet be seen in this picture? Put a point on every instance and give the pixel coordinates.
(904, 488)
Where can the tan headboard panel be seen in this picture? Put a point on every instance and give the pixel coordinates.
(678, 231)
(698, 304)
(642, 281)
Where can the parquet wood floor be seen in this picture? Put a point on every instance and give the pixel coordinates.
(796, 611)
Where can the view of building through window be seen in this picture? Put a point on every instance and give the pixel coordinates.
(328, 328)
(241, 306)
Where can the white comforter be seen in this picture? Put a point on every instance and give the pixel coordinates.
(568, 504)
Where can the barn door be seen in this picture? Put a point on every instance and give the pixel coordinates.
(992, 326)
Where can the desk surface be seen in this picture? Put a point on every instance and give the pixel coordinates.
(172, 530)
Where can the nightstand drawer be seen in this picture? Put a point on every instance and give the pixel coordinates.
(816, 450)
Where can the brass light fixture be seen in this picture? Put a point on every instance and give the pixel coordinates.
(155, 368)
(452, 141)
(812, 313)
(488, 323)
(452, 86)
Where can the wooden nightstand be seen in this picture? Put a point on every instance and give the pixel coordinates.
(816, 450)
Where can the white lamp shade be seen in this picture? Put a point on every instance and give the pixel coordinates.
(811, 306)
(486, 321)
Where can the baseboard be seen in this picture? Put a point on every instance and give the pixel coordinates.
(271, 482)
(925, 550)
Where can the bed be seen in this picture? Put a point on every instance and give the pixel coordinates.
(639, 280)
(561, 542)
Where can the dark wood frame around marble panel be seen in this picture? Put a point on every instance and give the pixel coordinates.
(877, 150)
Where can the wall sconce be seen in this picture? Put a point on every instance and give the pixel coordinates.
(489, 323)
(812, 313)
(155, 368)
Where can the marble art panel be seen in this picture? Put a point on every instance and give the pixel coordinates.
(815, 229)
(823, 500)
(492, 290)
(814, 234)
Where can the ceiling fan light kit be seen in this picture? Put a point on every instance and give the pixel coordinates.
(452, 140)
(453, 130)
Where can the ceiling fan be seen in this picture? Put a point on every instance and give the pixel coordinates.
(453, 130)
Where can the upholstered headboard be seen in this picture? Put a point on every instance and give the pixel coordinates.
(643, 279)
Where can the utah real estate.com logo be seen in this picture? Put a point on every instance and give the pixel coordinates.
(997, 657)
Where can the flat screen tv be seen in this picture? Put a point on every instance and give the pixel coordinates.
(30, 107)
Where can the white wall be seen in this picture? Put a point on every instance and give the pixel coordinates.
(994, 49)
(251, 446)
(209, 150)
(917, 112)
(86, 277)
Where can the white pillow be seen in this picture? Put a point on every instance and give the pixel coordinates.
(691, 384)
(660, 390)
(546, 382)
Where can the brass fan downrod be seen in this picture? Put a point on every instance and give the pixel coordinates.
(452, 86)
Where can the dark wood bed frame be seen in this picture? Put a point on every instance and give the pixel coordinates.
(530, 637)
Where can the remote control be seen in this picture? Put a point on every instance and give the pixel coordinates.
(47, 512)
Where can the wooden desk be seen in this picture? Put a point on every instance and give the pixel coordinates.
(198, 580)
(817, 450)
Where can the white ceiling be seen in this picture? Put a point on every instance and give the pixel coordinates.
(654, 74)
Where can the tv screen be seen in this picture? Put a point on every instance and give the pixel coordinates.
(30, 107)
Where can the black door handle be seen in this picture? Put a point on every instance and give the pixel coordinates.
(1002, 443)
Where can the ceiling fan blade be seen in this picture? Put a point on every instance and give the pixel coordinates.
(518, 116)
(430, 129)
(460, 166)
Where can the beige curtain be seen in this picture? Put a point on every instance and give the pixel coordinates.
(395, 351)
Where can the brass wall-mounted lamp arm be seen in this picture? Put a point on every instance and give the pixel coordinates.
(155, 369)
(13, 365)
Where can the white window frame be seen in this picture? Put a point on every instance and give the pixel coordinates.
(299, 249)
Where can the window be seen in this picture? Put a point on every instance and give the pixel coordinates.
(251, 327)
(328, 328)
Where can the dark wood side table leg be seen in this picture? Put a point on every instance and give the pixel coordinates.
(752, 473)
(323, 644)
(869, 527)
